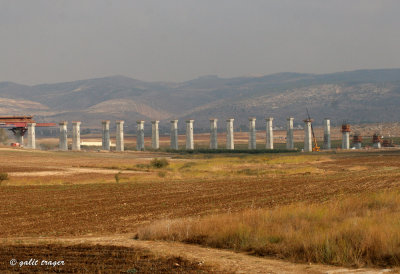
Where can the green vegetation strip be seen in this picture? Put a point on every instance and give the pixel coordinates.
(219, 151)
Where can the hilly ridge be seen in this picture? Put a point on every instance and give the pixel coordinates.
(357, 96)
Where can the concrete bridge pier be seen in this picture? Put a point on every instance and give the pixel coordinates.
(174, 134)
(119, 141)
(376, 141)
(357, 140)
(76, 135)
(213, 133)
(140, 135)
(327, 133)
(19, 136)
(358, 145)
(345, 140)
(346, 136)
(270, 134)
(289, 134)
(189, 135)
(376, 145)
(105, 135)
(307, 136)
(63, 145)
(155, 135)
(230, 142)
(31, 135)
(252, 133)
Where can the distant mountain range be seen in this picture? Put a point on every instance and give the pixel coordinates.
(361, 96)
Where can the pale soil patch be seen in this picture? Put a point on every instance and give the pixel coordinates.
(71, 171)
(223, 260)
(357, 168)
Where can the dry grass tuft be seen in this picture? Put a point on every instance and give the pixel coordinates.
(358, 231)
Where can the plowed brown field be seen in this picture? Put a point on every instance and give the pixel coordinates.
(93, 204)
(91, 259)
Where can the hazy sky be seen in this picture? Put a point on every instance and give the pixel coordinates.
(174, 40)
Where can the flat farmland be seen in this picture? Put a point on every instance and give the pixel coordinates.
(67, 195)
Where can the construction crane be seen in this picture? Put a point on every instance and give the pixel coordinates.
(316, 147)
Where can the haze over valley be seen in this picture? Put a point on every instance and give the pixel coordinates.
(363, 96)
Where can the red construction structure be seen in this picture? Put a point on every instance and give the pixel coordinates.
(376, 138)
(345, 127)
(19, 125)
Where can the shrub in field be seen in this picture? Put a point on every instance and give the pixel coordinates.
(142, 166)
(118, 177)
(358, 231)
(248, 171)
(162, 174)
(159, 163)
(3, 177)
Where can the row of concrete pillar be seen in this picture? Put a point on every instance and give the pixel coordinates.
(229, 134)
(76, 135)
(189, 134)
(76, 143)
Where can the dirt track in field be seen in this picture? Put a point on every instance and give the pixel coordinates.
(69, 171)
(120, 253)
